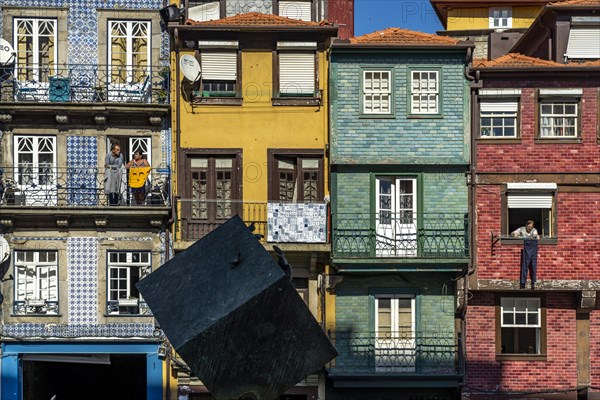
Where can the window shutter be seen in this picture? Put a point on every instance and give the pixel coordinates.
(221, 66)
(297, 73)
(584, 42)
(505, 106)
(529, 200)
(296, 10)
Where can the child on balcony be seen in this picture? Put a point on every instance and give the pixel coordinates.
(139, 168)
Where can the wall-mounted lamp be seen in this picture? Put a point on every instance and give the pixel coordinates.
(162, 351)
(170, 13)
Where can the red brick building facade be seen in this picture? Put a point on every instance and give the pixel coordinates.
(536, 156)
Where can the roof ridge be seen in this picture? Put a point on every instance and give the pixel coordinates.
(523, 61)
(395, 35)
(257, 19)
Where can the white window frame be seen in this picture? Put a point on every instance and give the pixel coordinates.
(396, 353)
(35, 179)
(376, 92)
(499, 21)
(534, 301)
(534, 196)
(549, 128)
(130, 28)
(584, 38)
(36, 25)
(422, 94)
(498, 111)
(44, 290)
(123, 295)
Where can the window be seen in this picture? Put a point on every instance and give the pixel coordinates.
(301, 285)
(396, 216)
(35, 169)
(36, 282)
(531, 201)
(558, 119)
(296, 178)
(204, 10)
(377, 92)
(424, 92)
(500, 17)
(129, 52)
(584, 38)
(36, 48)
(521, 331)
(296, 9)
(125, 269)
(297, 74)
(498, 119)
(213, 192)
(219, 73)
(395, 341)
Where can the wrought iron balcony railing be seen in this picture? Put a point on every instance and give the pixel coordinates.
(127, 307)
(277, 222)
(35, 307)
(396, 353)
(400, 235)
(84, 83)
(43, 185)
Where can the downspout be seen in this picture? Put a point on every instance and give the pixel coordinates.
(472, 179)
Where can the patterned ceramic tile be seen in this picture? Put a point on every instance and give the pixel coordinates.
(82, 172)
(297, 222)
(32, 330)
(82, 261)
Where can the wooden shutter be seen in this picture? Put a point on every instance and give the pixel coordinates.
(584, 42)
(297, 73)
(220, 66)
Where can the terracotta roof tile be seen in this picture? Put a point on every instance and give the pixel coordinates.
(257, 19)
(567, 3)
(402, 37)
(514, 60)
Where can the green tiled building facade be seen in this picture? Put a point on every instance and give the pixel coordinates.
(400, 231)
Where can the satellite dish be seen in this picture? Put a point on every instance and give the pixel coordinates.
(4, 250)
(190, 67)
(7, 54)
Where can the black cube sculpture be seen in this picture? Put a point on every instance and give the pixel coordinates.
(235, 318)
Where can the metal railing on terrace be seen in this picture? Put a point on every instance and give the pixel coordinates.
(43, 185)
(277, 222)
(85, 83)
(395, 353)
(400, 235)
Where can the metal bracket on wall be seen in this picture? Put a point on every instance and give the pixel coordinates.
(495, 239)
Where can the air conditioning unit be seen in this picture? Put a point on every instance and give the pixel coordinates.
(35, 302)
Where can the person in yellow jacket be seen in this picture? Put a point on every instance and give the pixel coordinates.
(139, 168)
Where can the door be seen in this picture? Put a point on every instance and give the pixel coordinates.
(395, 345)
(35, 170)
(213, 194)
(396, 216)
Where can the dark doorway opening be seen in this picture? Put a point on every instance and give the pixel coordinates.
(123, 378)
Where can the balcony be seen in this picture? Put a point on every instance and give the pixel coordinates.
(384, 236)
(35, 195)
(80, 83)
(294, 223)
(404, 357)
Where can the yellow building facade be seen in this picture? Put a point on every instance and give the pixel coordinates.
(250, 138)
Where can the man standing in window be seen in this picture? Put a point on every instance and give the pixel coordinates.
(527, 232)
(530, 250)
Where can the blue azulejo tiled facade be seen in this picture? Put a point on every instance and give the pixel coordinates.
(400, 227)
(85, 77)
